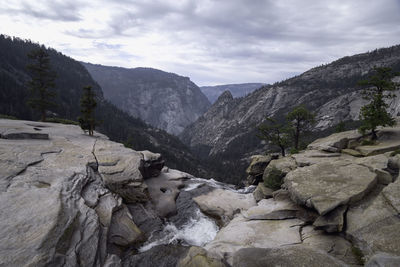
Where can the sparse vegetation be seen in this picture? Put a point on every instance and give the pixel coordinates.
(300, 121)
(394, 153)
(378, 88)
(63, 121)
(274, 178)
(8, 117)
(275, 133)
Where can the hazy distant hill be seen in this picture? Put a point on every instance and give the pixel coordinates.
(71, 78)
(164, 100)
(237, 90)
(228, 129)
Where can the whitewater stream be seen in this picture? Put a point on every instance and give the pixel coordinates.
(190, 227)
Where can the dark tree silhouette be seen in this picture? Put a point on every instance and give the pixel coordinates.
(378, 87)
(300, 120)
(42, 80)
(275, 133)
(88, 104)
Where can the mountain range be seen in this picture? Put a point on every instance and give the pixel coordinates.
(237, 90)
(228, 129)
(164, 100)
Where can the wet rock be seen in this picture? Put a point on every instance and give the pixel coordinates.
(145, 217)
(331, 222)
(197, 256)
(270, 209)
(164, 190)
(242, 233)
(290, 256)
(223, 204)
(262, 192)
(160, 256)
(123, 231)
(326, 186)
(152, 164)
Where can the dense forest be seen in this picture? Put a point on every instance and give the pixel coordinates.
(70, 80)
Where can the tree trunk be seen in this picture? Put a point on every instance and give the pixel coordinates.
(282, 151)
(374, 136)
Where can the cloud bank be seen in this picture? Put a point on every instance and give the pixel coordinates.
(210, 41)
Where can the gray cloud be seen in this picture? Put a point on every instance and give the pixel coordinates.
(231, 41)
(55, 10)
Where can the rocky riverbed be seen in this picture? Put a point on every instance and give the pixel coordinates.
(68, 199)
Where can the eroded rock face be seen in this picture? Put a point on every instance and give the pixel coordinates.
(326, 186)
(54, 207)
(164, 190)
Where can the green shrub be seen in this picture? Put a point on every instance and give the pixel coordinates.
(367, 142)
(394, 153)
(274, 178)
(63, 121)
(2, 116)
(294, 151)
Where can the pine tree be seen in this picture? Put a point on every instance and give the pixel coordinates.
(88, 104)
(300, 120)
(378, 88)
(275, 133)
(42, 80)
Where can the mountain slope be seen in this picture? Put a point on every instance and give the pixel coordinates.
(228, 130)
(71, 78)
(237, 90)
(164, 100)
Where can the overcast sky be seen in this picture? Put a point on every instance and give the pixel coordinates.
(210, 41)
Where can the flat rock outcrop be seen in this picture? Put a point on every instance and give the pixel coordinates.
(224, 204)
(326, 186)
(62, 198)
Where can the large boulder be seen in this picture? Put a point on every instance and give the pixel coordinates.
(276, 171)
(160, 256)
(262, 192)
(120, 169)
(326, 186)
(270, 209)
(197, 257)
(164, 190)
(224, 204)
(290, 256)
(335, 142)
(152, 164)
(258, 164)
(374, 224)
(242, 233)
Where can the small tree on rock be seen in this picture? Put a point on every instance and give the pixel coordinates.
(274, 133)
(88, 104)
(300, 120)
(378, 88)
(42, 80)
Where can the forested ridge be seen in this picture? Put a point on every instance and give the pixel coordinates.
(71, 78)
